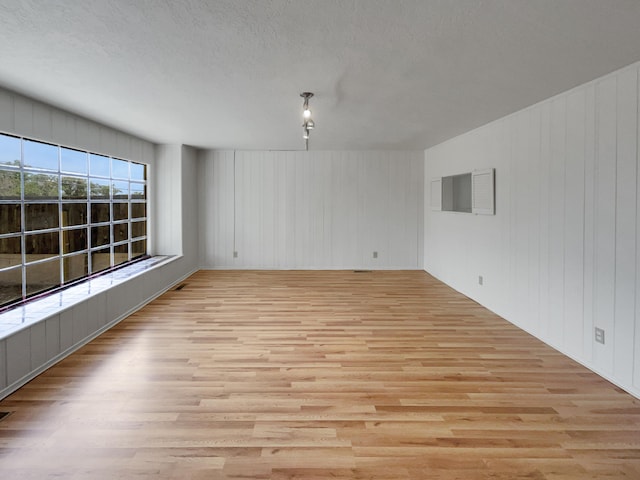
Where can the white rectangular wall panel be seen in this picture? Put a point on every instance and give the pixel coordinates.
(574, 223)
(38, 344)
(589, 225)
(3, 364)
(556, 213)
(605, 218)
(18, 355)
(66, 329)
(636, 345)
(23, 117)
(625, 217)
(6, 111)
(52, 325)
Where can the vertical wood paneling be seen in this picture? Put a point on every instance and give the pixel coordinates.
(92, 138)
(108, 140)
(544, 187)
(53, 335)
(167, 201)
(38, 345)
(589, 222)
(82, 133)
(3, 364)
(512, 180)
(574, 224)
(583, 234)
(302, 217)
(523, 206)
(23, 116)
(402, 248)
(318, 210)
(269, 200)
(314, 209)
(605, 218)
(373, 211)
(216, 173)
(345, 243)
(80, 326)
(281, 217)
(148, 153)
(26, 117)
(520, 239)
(636, 350)
(62, 128)
(499, 278)
(532, 159)
(240, 224)
(190, 209)
(557, 138)
(123, 142)
(417, 171)
(98, 308)
(42, 128)
(625, 217)
(66, 328)
(6, 112)
(18, 355)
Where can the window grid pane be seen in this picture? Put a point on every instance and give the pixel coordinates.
(65, 214)
(10, 151)
(10, 285)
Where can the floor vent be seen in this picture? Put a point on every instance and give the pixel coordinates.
(180, 287)
(4, 415)
(362, 271)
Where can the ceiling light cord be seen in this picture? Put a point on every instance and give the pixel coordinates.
(307, 121)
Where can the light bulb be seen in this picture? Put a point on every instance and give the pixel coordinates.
(305, 135)
(306, 113)
(310, 124)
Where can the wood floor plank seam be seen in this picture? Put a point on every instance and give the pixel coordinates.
(383, 375)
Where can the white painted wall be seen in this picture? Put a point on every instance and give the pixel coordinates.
(560, 255)
(175, 206)
(190, 208)
(316, 210)
(166, 198)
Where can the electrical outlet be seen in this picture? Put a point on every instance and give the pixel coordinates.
(600, 335)
(480, 280)
(235, 254)
(375, 254)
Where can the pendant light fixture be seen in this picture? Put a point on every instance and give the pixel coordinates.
(307, 121)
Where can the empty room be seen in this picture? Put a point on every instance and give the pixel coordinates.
(314, 239)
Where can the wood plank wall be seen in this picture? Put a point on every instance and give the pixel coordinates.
(560, 256)
(318, 210)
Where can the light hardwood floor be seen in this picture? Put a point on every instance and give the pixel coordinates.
(318, 375)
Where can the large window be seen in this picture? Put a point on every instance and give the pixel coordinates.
(65, 214)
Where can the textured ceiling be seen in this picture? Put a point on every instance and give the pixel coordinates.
(387, 74)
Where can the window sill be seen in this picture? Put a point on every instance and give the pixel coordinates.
(24, 316)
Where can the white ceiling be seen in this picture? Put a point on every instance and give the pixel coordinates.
(387, 74)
